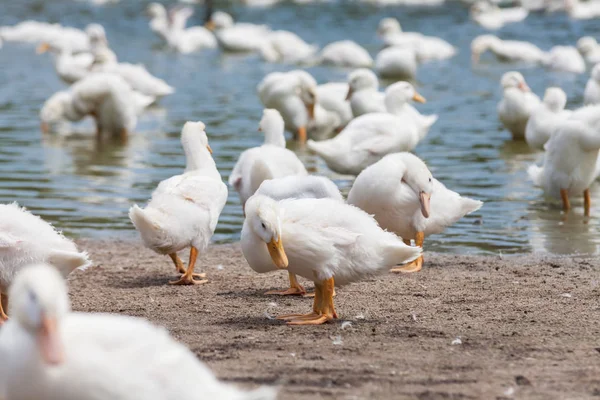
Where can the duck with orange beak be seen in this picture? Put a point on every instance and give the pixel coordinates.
(324, 240)
(517, 104)
(404, 198)
(51, 353)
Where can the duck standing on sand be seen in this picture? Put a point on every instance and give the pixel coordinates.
(184, 209)
(404, 198)
(298, 187)
(25, 239)
(323, 240)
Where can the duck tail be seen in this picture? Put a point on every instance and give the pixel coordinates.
(141, 221)
(431, 119)
(535, 174)
(469, 205)
(399, 253)
(68, 261)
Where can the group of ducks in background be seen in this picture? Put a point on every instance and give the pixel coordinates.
(294, 221)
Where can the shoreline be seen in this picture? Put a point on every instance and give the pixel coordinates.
(528, 325)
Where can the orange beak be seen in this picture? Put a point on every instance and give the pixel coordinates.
(209, 148)
(424, 199)
(42, 48)
(51, 348)
(44, 127)
(523, 86)
(210, 25)
(349, 95)
(310, 108)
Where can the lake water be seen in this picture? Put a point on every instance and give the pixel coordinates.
(85, 187)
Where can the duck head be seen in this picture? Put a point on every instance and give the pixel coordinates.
(264, 218)
(514, 79)
(400, 93)
(418, 177)
(555, 99)
(361, 79)
(39, 302)
(273, 126)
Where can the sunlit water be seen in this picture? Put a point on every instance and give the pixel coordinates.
(86, 187)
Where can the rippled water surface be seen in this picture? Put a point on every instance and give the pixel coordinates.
(86, 187)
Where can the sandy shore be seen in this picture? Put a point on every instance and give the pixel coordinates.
(529, 327)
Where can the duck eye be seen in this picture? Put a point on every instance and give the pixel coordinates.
(263, 225)
(429, 179)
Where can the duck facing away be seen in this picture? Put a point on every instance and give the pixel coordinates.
(184, 209)
(370, 137)
(25, 239)
(516, 105)
(545, 118)
(298, 187)
(404, 198)
(271, 160)
(570, 160)
(56, 354)
(322, 240)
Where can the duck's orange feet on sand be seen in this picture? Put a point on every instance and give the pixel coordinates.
(188, 277)
(178, 263)
(323, 309)
(3, 304)
(414, 266)
(587, 202)
(295, 289)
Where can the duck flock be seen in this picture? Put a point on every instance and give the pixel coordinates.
(295, 221)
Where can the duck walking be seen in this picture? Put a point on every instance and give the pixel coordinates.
(184, 209)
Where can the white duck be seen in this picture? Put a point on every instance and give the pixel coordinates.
(90, 356)
(322, 240)
(271, 160)
(570, 160)
(591, 95)
(184, 209)
(425, 47)
(582, 10)
(332, 97)
(565, 59)
(26, 238)
(237, 37)
(404, 198)
(346, 53)
(397, 62)
(298, 187)
(506, 50)
(136, 75)
(159, 20)
(492, 17)
(517, 104)
(545, 118)
(69, 67)
(105, 97)
(294, 95)
(37, 32)
(187, 40)
(363, 92)
(286, 47)
(370, 137)
(405, 91)
(590, 49)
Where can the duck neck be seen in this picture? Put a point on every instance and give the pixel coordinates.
(273, 131)
(394, 106)
(196, 154)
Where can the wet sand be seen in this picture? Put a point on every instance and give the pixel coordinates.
(465, 327)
